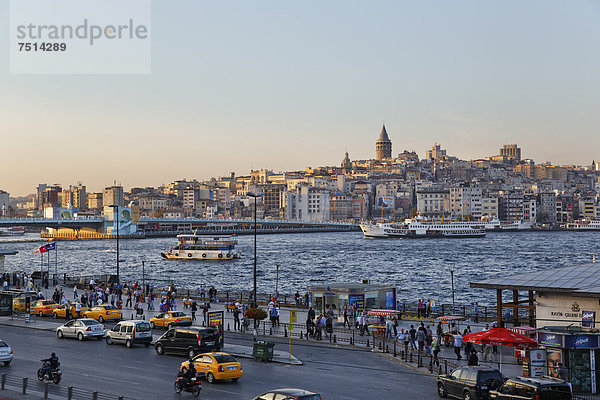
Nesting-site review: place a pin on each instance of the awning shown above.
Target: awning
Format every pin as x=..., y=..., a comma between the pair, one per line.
x=450, y=318
x=384, y=312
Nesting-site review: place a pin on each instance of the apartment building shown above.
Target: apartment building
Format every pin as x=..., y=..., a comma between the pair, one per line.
x=433, y=202
x=466, y=201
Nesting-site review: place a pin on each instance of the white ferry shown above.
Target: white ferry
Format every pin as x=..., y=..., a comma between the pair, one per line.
x=516, y=226
x=417, y=228
x=198, y=247
x=12, y=231
x=584, y=225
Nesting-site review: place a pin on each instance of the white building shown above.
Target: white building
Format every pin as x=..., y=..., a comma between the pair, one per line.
x=489, y=207
x=465, y=201
x=306, y=204
x=433, y=202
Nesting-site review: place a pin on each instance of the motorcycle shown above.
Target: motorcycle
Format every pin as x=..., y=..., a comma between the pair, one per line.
x=194, y=386
x=53, y=375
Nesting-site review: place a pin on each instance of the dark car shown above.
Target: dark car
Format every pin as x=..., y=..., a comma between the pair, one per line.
x=469, y=383
x=188, y=341
x=533, y=389
x=289, y=394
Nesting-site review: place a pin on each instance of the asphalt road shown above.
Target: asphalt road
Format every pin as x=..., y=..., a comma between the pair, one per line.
x=139, y=373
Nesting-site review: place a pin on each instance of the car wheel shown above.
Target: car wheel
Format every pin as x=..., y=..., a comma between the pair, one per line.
x=128, y=344
x=210, y=378
x=101, y=319
x=60, y=334
x=235, y=379
x=54, y=315
x=80, y=336
x=108, y=340
x=152, y=326
x=442, y=391
x=467, y=395
x=191, y=353
x=160, y=350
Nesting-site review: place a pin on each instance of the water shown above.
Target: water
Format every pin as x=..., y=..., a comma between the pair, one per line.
x=419, y=268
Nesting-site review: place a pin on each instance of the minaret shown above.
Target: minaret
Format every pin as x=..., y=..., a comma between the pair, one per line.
x=383, y=145
x=346, y=166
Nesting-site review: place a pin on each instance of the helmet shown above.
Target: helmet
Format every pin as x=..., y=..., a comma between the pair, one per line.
x=53, y=355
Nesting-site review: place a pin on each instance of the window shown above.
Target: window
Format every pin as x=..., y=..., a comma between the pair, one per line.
x=117, y=328
x=508, y=388
x=124, y=328
x=129, y=328
x=469, y=375
x=207, y=360
x=456, y=374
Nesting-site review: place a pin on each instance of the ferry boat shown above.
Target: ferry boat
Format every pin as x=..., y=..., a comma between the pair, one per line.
x=418, y=228
x=516, y=226
x=584, y=225
x=12, y=231
x=199, y=247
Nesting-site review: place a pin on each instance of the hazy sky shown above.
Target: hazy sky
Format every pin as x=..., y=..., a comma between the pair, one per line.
x=284, y=85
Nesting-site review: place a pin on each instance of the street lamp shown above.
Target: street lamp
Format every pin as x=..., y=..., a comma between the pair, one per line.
x=256, y=196
x=116, y=207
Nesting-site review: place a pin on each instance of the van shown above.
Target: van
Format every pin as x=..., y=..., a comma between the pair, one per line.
x=130, y=333
x=188, y=341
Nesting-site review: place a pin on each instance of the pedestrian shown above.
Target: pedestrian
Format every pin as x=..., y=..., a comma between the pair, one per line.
x=346, y=320
x=319, y=328
x=193, y=309
x=361, y=325
x=428, y=340
x=113, y=297
x=205, y=314
x=366, y=322
x=473, y=359
x=389, y=328
x=311, y=313
x=309, y=327
x=458, y=340
x=476, y=312
x=236, y=319
x=323, y=324
x=435, y=348
x=420, y=335
x=563, y=373
x=439, y=331
x=128, y=302
x=413, y=337
x=74, y=292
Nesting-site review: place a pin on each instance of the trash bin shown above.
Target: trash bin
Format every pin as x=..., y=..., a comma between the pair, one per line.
x=263, y=350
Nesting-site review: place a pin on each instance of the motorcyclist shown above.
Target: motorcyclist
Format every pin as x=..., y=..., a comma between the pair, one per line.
x=51, y=363
x=189, y=373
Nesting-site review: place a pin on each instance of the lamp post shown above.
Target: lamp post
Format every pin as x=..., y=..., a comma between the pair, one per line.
x=256, y=196
x=116, y=207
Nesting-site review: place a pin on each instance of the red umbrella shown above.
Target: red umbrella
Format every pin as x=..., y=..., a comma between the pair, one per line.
x=501, y=337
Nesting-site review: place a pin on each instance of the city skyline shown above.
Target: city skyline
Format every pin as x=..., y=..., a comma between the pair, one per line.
x=236, y=87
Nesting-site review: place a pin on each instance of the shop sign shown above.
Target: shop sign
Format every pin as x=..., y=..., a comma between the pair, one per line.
x=358, y=299
x=550, y=339
x=581, y=341
x=538, y=363
x=588, y=318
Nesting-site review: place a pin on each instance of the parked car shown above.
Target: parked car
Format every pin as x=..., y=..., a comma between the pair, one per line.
x=43, y=307
x=6, y=353
x=68, y=311
x=103, y=312
x=188, y=341
x=216, y=366
x=289, y=394
x=469, y=383
x=130, y=333
x=84, y=328
x=170, y=319
x=545, y=388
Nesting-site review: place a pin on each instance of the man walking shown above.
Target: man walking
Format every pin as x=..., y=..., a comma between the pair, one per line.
x=413, y=336
x=458, y=340
x=236, y=319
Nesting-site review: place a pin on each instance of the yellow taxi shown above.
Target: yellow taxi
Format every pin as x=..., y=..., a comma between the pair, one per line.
x=170, y=319
x=216, y=366
x=43, y=307
x=61, y=312
x=103, y=312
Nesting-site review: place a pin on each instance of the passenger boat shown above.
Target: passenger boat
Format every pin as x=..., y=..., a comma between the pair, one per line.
x=516, y=226
x=584, y=225
x=199, y=247
x=419, y=228
x=12, y=231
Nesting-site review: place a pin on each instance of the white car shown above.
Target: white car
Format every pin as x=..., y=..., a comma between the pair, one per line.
x=83, y=328
x=6, y=353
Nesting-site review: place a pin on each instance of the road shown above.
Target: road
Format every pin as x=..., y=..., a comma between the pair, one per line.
x=336, y=373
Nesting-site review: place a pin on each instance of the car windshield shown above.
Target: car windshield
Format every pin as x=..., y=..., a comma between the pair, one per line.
x=557, y=392
x=143, y=327
x=89, y=322
x=3, y=343
x=311, y=397
x=225, y=358
x=490, y=376
x=178, y=314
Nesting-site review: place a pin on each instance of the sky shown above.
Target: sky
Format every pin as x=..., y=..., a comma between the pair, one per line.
x=237, y=85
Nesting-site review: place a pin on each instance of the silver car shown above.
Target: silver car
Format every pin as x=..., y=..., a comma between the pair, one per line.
x=84, y=328
x=6, y=353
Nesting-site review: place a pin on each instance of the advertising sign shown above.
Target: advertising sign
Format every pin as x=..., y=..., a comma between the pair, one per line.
x=5, y=304
x=385, y=202
x=581, y=341
x=215, y=319
x=359, y=299
x=550, y=339
x=538, y=363
x=390, y=299
x=554, y=357
x=588, y=318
